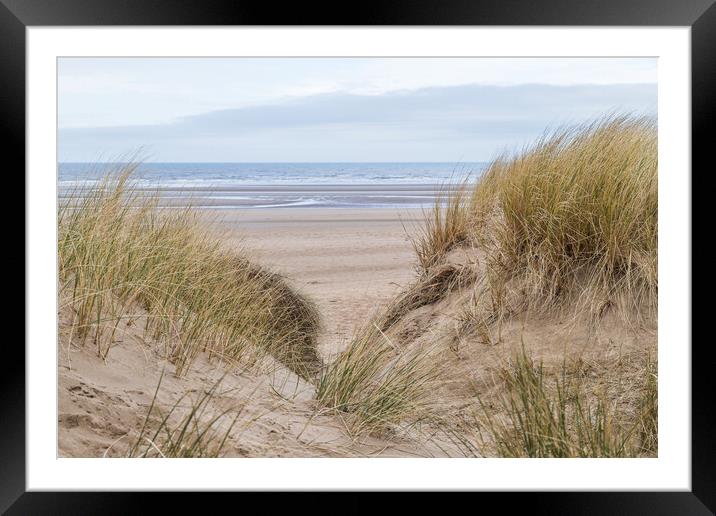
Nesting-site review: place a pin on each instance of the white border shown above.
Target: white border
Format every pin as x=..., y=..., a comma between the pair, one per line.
x=670, y=471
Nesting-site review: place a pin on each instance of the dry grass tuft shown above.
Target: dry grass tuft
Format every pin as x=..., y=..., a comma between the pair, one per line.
x=184, y=432
x=536, y=417
x=445, y=227
x=122, y=259
x=377, y=385
x=570, y=221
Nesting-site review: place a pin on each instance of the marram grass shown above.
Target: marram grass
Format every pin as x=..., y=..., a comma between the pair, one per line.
x=545, y=415
x=123, y=259
x=188, y=432
x=570, y=220
x=377, y=385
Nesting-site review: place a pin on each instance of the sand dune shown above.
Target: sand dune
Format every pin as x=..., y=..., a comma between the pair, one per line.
x=350, y=262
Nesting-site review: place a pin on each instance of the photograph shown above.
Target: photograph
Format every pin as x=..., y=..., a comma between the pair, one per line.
x=396, y=249
x=357, y=257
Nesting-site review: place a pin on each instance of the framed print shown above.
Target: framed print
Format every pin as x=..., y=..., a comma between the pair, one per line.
x=406, y=249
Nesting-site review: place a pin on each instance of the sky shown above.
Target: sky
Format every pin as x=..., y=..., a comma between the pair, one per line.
x=334, y=109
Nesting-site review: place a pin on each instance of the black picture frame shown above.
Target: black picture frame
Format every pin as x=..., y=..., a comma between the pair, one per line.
x=17, y=15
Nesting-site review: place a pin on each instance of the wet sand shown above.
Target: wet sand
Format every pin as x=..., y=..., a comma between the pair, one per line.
x=345, y=196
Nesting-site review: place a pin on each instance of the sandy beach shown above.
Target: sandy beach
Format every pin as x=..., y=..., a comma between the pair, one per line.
x=356, y=258
x=349, y=261
x=343, y=323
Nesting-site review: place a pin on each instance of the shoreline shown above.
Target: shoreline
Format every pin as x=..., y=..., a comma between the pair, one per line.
x=269, y=196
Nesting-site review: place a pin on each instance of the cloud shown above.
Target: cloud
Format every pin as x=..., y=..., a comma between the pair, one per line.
x=492, y=116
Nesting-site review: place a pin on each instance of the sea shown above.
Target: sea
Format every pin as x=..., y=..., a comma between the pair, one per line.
x=282, y=185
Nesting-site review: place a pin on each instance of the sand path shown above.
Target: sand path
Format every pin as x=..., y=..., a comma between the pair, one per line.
x=349, y=261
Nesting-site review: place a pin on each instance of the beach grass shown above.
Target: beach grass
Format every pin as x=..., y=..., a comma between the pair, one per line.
x=557, y=415
x=446, y=226
x=184, y=431
x=569, y=223
x=123, y=259
x=379, y=386
x=571, y=220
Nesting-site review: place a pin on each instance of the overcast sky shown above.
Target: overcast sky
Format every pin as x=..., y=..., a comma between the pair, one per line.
x=321, y=109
